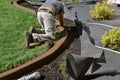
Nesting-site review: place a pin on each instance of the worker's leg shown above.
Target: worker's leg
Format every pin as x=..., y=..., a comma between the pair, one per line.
x=49, y=25
x=40, y=30
x=34, y=30
x=40, y=19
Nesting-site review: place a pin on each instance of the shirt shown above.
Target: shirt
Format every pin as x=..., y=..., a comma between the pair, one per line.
x=56, y=5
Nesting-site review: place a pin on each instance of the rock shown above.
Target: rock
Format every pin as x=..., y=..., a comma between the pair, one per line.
x=33, y=76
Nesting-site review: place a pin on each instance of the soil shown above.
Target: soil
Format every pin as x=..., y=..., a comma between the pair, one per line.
x=52, y=71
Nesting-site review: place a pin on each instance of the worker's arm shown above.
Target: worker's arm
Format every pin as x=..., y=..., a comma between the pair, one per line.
x=61, y=19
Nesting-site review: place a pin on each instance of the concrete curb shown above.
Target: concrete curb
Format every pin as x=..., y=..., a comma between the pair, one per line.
x=39, y=61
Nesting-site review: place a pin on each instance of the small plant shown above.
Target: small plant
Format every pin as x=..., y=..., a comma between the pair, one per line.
x=62, y=67
x=101, y=11
x=111, y=39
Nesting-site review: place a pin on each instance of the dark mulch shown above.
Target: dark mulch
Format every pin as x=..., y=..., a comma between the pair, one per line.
x=52, y=70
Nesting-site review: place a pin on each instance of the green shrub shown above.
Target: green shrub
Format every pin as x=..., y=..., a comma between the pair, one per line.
x=111, y=39
x=101, y=11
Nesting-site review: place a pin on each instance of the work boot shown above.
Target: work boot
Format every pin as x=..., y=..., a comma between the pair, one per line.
x=28, y=39
x=32, y=29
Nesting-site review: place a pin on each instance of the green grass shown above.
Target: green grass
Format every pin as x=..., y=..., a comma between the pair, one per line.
x=13, y=23
x=62, y=67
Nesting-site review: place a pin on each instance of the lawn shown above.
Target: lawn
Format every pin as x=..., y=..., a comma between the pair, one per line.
x=13, y=23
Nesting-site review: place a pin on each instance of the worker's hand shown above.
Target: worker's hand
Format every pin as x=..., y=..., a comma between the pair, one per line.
x=57, y=22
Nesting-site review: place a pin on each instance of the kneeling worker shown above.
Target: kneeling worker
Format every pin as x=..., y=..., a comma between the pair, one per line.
x=46, y=15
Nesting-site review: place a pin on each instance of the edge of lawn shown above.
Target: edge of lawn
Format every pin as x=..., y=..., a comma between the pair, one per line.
x=39, y=61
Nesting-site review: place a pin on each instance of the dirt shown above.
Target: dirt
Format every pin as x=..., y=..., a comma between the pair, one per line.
x=52, y=71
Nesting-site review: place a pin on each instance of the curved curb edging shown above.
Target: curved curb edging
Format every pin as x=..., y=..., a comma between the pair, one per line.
x=22, y=7
x=45, y=58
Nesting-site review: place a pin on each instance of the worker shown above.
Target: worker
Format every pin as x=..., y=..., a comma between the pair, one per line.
x=46, y=16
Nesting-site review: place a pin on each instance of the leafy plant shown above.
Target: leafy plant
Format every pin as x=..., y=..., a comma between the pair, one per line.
x=111, y=39
x=101, y=11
